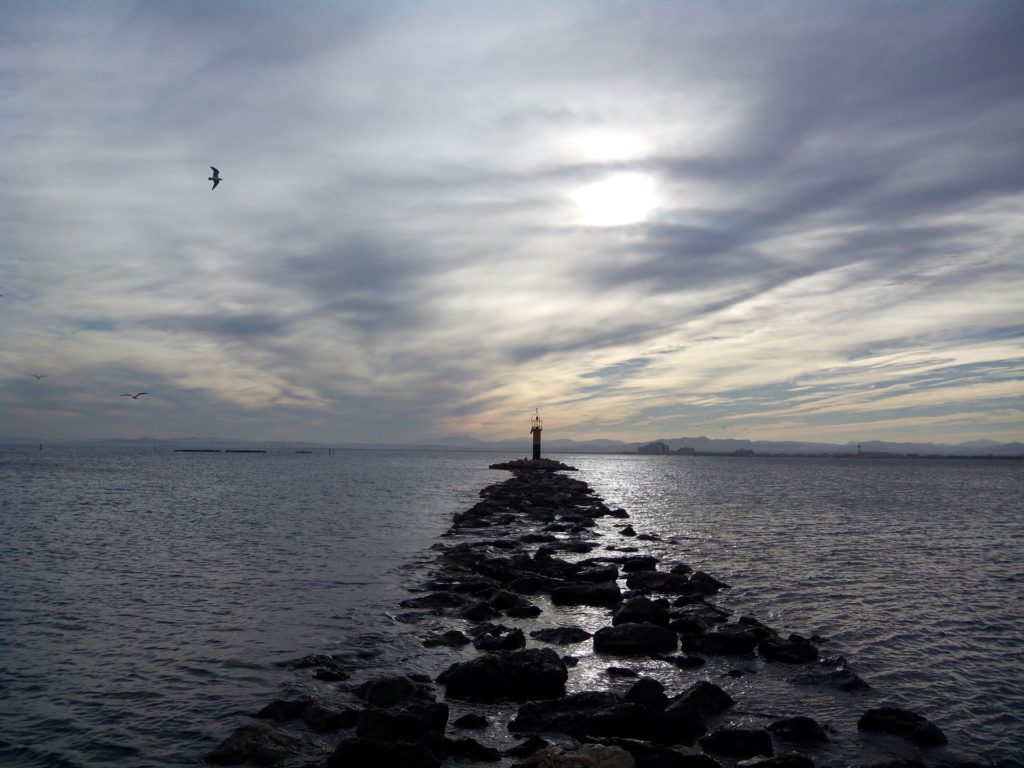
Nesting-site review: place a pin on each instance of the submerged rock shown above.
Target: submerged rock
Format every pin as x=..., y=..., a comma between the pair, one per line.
x=799, y=730
x=584, y=756
x=902, y=722
x=262, y=745
x=561, y=635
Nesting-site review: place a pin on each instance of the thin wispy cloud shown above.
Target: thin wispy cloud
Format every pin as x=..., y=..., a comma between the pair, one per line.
x=780, y=220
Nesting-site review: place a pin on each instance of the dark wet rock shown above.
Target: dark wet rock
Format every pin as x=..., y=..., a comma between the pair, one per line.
x=527, y=747
x=648, y=537
x=627, y=531
x=798, y=730
x=596, y=713
x=538, y=538
x=598, y=573
x=907, y=762
x=681, y=568
x=470, y=749
x=453, y=638
x=902, y=722
x=360, y=752
x=604, y=594
x=324, y=667
x=763, y=631
x=263, y=745
x=621, y=672
x=532, y=583
x=435, y=601
x=392, y=690
x=320, y=717
x=649, y=692
x=657, y=581
x=798, y=651
x=727, y=640
x=639, y=563
x=570, y=661
x=703, y=578
x=561, y=635
x=503, y=600
x=640, y=609
x=841, y=679
x=507, y=641
x=480, y=611
x=471, y=720
x=648, y=755
x=789, y=760
x=417, y=721
x=738, y=743
x=704, y=698
x=533, y=465
x=533, y=673
x=635, y=639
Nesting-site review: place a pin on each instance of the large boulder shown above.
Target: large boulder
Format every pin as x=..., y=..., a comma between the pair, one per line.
x=658, y=581
x=417, y=721
x=705, y=698
x=795, y=650
x=561, y=635
x=901, y=722
x=533, y=673
x=261, y=744
x=728, y=640
x=640, y=609
x=602, y=594
x=635, y=639
x=588, y=713
x=391, y=690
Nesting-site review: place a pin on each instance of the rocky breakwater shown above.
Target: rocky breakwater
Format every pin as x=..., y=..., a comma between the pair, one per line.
x=570, y=647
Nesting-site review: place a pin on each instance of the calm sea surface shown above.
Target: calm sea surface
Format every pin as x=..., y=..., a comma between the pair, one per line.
x=146, y=596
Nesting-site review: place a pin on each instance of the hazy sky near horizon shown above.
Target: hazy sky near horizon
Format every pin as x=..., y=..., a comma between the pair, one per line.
x=772, y=220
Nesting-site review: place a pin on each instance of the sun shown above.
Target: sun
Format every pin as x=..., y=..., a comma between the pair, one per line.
x=620, y=199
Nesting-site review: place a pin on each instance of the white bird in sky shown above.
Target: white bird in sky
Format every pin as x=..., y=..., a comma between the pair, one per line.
x=215, y=178
x=135, y=397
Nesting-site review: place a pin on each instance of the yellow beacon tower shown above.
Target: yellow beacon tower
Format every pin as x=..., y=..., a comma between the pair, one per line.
x=536, y=425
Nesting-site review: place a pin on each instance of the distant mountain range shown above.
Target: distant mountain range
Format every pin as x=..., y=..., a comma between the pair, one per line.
x=700, y=444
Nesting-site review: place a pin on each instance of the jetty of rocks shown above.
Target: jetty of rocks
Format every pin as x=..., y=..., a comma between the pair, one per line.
x=570, y=647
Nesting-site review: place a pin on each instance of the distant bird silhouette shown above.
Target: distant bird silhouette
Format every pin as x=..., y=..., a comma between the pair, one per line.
x=135, y=397
x=215, y=178
x=38, y=375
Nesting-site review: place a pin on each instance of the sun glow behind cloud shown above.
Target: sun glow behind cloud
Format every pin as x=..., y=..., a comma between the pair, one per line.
x=618, y=200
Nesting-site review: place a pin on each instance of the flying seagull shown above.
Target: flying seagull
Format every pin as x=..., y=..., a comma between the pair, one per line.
x=39, y=375
x=135, y=397
x=215, y=178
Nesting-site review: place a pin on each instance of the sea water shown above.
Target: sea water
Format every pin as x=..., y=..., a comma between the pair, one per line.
x=147, y=596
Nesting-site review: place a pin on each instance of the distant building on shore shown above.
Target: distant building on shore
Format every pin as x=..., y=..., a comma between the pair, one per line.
x=656, y=448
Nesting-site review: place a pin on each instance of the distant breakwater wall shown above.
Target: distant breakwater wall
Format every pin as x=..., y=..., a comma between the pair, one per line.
x=570, y=647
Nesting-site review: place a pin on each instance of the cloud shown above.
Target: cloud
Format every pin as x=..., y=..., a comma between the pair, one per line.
x=395, y=251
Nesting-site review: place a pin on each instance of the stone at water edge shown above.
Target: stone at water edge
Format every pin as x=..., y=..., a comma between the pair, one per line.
x=632, y=639
x=738, y=743
x=262, y=745
x=533, y=673
x=901, y=722
x=585, y=756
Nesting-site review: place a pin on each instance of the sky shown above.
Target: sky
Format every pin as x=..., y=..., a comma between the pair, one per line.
x=769, y=220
